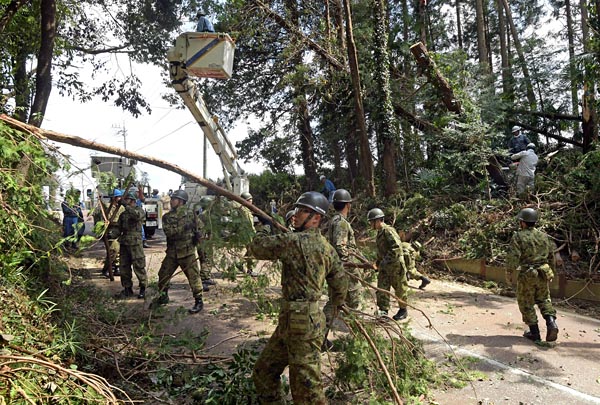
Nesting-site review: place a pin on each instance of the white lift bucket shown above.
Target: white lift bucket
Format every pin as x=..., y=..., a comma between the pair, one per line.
x=204, y=54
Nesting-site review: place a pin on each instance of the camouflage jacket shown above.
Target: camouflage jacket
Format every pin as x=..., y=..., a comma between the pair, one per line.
x=130, y=225
x=308, y=260
x=341, y=237
x=183, y=229
x=410, y=256
x=389, y=246
x=530, y=247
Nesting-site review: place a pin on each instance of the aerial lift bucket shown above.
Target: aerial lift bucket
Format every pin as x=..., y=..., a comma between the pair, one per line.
x=204, y=54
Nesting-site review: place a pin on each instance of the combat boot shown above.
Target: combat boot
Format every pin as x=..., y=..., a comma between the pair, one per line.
x=400, y=315
x=142, y=293
x=126, y=293
x=424, y=282
x=533, y=333
x=551, y=328
x=197, y=306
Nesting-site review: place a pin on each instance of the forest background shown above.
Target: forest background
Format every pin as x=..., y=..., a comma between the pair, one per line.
x=338, y=88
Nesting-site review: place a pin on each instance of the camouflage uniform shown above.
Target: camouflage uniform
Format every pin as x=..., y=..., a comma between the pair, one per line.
x=532, y=250
x=341, y=236
x=181, y=227
x=410, y=259
x=392, y=269
x=132, y=252
x=308, y=260
x=247, y=231
x=112, y=234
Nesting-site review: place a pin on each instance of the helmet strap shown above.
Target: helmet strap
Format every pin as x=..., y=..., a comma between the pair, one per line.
x=308, y=218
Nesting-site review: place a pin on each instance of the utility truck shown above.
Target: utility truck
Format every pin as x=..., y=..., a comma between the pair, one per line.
x=207, y=55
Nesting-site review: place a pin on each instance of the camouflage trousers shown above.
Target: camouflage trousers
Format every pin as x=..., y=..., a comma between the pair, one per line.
x=133, y=256
x=204, y=264
x=189, y=265
x=532, y=289
x=352, y=296
x=392, y=275
x=414, y=274
x=114, y=249
x=296, y=342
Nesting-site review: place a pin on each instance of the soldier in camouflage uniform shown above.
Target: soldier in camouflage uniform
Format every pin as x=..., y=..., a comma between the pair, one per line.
x=131, y=249
x=182, y=229
x=289, y=218
x=113, y=213
x=390, y=262
x=201, y=249
x=410, y=259
x=308, y=260
x=341, y=236
x=533, y=251
x=246, y=232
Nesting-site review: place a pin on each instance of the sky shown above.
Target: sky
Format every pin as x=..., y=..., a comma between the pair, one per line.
x=168, y=133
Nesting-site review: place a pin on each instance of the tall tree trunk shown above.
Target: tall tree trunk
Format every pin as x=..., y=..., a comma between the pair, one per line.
x=459, y=32
x=384, y=113
x=366, y=160
x=22, y=91
x=482, y=50
x=302, y=111
x=43, y=77
x=422, y=20
x=588, y=108
x=572, y=69
x=528, y=86
x=504, y=61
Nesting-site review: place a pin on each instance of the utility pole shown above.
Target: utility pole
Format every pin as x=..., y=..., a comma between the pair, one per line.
x=121, y=131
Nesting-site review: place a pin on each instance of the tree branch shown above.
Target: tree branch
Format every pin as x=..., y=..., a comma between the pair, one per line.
x=546, y=133
x=43, y=135
x=550, y=115
x=303, y=38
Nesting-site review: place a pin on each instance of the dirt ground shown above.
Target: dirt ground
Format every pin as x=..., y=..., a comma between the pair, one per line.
x=466, y=321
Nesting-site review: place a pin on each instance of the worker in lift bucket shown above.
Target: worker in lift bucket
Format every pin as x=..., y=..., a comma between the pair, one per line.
x=204, y=24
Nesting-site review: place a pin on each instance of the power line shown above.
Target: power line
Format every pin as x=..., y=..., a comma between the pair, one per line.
x=164, y=136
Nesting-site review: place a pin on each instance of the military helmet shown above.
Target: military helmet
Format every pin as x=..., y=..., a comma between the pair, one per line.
x=314, y=201
x=528, y=215
x=117, y=193
x=289, y=215
x=246, y=195
x=206, y=201
x=531, y=145
x=180, y=194
x=341, y=195
x=131, y=195
x=374, y=214
x=515, y=129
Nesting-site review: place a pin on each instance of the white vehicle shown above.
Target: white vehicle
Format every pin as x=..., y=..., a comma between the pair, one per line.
x=208, y=55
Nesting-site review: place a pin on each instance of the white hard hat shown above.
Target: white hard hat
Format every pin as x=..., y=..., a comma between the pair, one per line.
x=530, y=145
x=322, y=177
x=516, y=129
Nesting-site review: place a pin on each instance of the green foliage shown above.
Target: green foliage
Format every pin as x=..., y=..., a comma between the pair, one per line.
x=230, y=384
x=358, y=368
x=453, y=217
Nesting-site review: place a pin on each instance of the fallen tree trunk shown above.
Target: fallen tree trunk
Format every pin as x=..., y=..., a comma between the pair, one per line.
x=546, y=133
x=429, y=68
x=43, y=135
